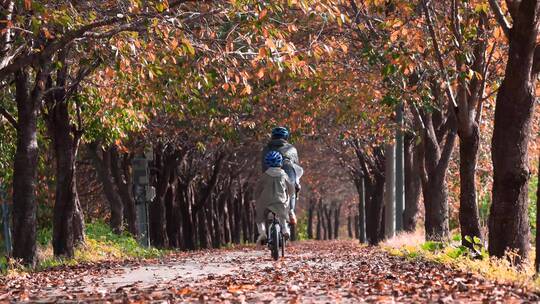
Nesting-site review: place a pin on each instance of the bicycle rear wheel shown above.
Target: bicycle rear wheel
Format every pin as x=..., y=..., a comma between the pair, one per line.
x=274, y=248
x=283, y=241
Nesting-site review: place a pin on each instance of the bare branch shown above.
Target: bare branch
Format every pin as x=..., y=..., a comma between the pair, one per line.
x=499, y=16
x=446, y=153
x=9, y=117
x=480, y=105
x=455, y=23
x=438, y=53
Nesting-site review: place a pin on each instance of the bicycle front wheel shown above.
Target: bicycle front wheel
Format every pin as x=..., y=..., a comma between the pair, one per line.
x=275, y=243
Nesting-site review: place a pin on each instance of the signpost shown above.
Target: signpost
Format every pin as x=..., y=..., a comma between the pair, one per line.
x=143, y=194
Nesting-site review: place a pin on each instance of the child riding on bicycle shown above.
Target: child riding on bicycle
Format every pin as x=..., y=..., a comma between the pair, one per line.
x=273, y=193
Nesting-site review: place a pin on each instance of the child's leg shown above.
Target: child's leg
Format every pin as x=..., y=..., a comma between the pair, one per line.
x=285, y=226
x=261, y=228
x=292, y=205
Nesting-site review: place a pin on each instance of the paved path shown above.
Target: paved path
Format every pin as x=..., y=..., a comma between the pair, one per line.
x=312, y=272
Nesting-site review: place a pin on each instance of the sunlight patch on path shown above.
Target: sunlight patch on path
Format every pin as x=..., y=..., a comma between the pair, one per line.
x=188, y=270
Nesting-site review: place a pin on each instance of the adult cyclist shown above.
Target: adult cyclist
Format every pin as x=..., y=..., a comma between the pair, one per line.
x=279, y=142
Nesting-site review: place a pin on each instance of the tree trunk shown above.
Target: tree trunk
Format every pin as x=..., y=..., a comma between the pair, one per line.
x=412, y=184
x=320, y=221
x=186, y=202
x=65, y=146
x=508, y=219
x=173, y=222
x=360, y=187
x=123, y=185
x=25, y=168
x=374, y=212
x=310, y=220
x=103, y=165
x=438, y=138
x=78, y=223
x=157, y=211
x=217, y=238
x=203, y=229
x=537, y=259
x=436, y=205
x=350, y=226
x=324, y=223
x=390, y=191
x=227, y=214
x=237, y=211
x=469, y=218
x=356, y=227
x=337, y=215
x=329, y=223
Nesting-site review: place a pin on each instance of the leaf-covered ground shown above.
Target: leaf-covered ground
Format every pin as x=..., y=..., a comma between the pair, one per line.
x=312, y=272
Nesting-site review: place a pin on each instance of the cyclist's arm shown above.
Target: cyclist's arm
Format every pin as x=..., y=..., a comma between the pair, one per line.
x=294, y=155
x=291, y=188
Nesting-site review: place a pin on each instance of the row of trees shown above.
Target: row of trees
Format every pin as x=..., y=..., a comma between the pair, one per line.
x=179, y=75
x=202, y=81
x=449, y=63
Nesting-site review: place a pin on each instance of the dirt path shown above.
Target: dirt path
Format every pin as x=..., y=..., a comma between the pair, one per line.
x=313, y=272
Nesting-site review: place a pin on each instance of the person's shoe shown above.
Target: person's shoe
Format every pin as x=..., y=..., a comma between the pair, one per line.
x=261, y=240
x=292, y=218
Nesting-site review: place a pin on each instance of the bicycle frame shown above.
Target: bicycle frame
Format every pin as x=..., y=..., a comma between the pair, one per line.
x=275, y=237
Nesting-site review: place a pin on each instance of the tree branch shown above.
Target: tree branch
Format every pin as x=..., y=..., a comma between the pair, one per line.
x=54, y=46
x=9, y=118
x=499, y=16
x=438, y=54
x=447, y=151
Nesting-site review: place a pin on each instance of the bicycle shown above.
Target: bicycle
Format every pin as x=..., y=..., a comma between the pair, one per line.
x=276, y=240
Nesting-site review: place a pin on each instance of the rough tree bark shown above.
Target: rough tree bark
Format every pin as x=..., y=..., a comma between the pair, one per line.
x=537, y=258
x=310, y=216
x=337, y=217
x=165, y=162
x=102, y=164
x=350, y=220
x=66, y=212
x=438, y=138
x=373, y=168
x=328, y=213
x=361, y=189
x=185, y=202
x=412, y=184
x=68, y=221
x=172, y=213
x=25, y=165
x=122, y=182
x=466, y=107
x=319, y=233
x=508, y=220
x=469, y=100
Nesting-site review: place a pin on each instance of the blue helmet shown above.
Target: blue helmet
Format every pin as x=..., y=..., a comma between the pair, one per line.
x=273, y=159
x=280, y=132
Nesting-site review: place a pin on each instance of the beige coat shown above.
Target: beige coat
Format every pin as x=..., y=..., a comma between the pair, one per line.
x=272, y=192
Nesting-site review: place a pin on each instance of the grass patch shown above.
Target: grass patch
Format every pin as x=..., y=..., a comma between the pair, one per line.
x=101, y=245
x=459, y=257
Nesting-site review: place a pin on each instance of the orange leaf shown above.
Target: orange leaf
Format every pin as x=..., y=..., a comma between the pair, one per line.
x=263, y=13
x=260, y=73
x=262, y=52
